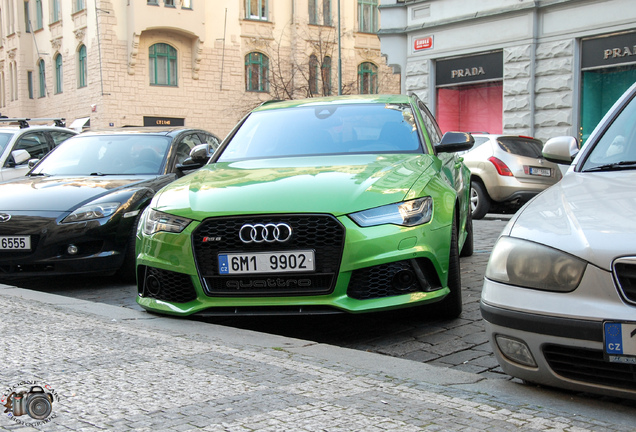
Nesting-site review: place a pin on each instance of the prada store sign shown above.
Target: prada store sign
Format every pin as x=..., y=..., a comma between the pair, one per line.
x=482, y=67
x=608, y=50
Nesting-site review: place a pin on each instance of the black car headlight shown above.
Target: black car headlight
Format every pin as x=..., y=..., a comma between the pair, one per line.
x=154, y=221
x=92, y=211
x=408, y=213
x=532, y=265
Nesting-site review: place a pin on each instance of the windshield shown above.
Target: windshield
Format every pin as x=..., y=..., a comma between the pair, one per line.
x=617, y=147
x=325, y=129
x=106, y=154
x=4, y=139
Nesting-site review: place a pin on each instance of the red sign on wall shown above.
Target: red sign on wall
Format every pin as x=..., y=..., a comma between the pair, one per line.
x=423, y=43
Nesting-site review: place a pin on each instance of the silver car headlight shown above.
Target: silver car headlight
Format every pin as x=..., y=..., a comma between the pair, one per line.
x=92, y=211
x=532, y=265
x=408, y=213
x=154, y=221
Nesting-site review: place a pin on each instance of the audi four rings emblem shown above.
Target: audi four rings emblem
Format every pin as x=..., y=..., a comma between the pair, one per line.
x=268, y=233
x=4, y=217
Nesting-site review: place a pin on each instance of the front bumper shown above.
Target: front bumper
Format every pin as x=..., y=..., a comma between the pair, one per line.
x=374, y=256
x=563, y=332
x=99, y=246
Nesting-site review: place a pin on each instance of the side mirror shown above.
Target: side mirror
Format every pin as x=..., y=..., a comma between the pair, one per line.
x=561, y=150
x=199, y=156
x=19, y=157
x=453, y=142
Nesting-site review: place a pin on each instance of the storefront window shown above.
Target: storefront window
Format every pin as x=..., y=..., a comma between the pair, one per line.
x=600, y=89
x=471, y=108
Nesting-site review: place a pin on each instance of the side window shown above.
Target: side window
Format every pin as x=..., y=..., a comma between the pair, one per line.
x=35, y=143
x=432, y=129
x=211, y=139
x=184, y=147
x=59, y=136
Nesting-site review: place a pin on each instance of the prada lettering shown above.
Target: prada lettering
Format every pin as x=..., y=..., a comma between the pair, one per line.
x=462, y=73
x=619, y=52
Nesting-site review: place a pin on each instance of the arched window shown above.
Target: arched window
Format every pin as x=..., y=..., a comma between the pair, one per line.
x=163, y=65
x=256, y=72
x=81, y=67
x=58, y=73
x=15, y=81
x=368, y=78
x=11, y=72
x=313, y=75
x=326, y=76
x=42, y=78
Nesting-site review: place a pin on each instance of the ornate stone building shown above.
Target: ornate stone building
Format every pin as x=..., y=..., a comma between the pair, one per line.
x=541, y=67
x=202, y=63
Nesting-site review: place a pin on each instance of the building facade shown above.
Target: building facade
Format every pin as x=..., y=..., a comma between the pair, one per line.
x=199, y=63
x=542, y=68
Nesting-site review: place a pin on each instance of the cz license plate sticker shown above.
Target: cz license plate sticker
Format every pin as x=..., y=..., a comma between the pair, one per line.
x=15, y=242
x=267, y=262
x=544, y=172
x=619, y=342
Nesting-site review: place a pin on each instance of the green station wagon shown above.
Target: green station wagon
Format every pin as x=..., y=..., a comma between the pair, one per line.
x=342, y=204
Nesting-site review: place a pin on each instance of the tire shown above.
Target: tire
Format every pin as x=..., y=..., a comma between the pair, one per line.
x=479, y=200
x=468, y=248
x=452, y=305
x=128, y=271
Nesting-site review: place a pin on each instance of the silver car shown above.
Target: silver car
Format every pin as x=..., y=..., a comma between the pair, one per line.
x=559, y=296
x=24, y=142
x=506, y=171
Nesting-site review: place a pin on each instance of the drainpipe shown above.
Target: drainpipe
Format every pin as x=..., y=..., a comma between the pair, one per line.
x=533, y=66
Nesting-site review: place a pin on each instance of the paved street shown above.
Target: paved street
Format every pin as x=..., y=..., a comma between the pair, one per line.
x=120, y=369
x=459, y=344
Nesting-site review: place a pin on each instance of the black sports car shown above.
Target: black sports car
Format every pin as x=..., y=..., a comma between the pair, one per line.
x=76, y=211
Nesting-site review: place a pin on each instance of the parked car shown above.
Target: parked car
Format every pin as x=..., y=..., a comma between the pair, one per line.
x=506, y=171
x=77, y=210
x=341, y=204
x=559, y=296
x=26, y=141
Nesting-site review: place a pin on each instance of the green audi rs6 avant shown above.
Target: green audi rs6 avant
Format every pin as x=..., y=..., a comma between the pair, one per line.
x=342, y=204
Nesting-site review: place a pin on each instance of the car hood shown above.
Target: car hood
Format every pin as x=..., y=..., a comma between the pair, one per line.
x=589, y=215
x=60, y=193
x=329, y=184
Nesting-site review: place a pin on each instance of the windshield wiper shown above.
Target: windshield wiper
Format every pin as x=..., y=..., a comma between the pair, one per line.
x=613, y=166
x=40, y=174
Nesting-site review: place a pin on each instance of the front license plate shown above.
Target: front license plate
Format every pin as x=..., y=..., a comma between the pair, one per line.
x=544, y=172
x=619, y=340
x=15, y=243
x=267, y=262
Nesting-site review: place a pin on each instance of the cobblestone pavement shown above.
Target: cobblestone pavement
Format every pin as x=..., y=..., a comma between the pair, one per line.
x=459, y=344
x=120, y=369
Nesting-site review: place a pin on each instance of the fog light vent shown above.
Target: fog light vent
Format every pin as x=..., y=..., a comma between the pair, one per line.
x=515, y=350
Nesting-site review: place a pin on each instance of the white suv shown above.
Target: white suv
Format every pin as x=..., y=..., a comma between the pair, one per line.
x=20, y=144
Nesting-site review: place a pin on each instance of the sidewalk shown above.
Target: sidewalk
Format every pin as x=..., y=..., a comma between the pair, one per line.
x=119, y=369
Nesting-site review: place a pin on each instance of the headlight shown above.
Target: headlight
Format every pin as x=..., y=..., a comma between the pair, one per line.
x=155, y=221
x=407, y=213
x=532, y=265
x=92, y=211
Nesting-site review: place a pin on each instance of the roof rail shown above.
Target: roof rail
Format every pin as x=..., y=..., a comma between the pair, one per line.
x=24, y=122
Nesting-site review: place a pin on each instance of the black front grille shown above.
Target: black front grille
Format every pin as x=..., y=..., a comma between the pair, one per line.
x=385, y=280
x=321, y=233
x=589, y=366
x=626, y=275
x=165, y=285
